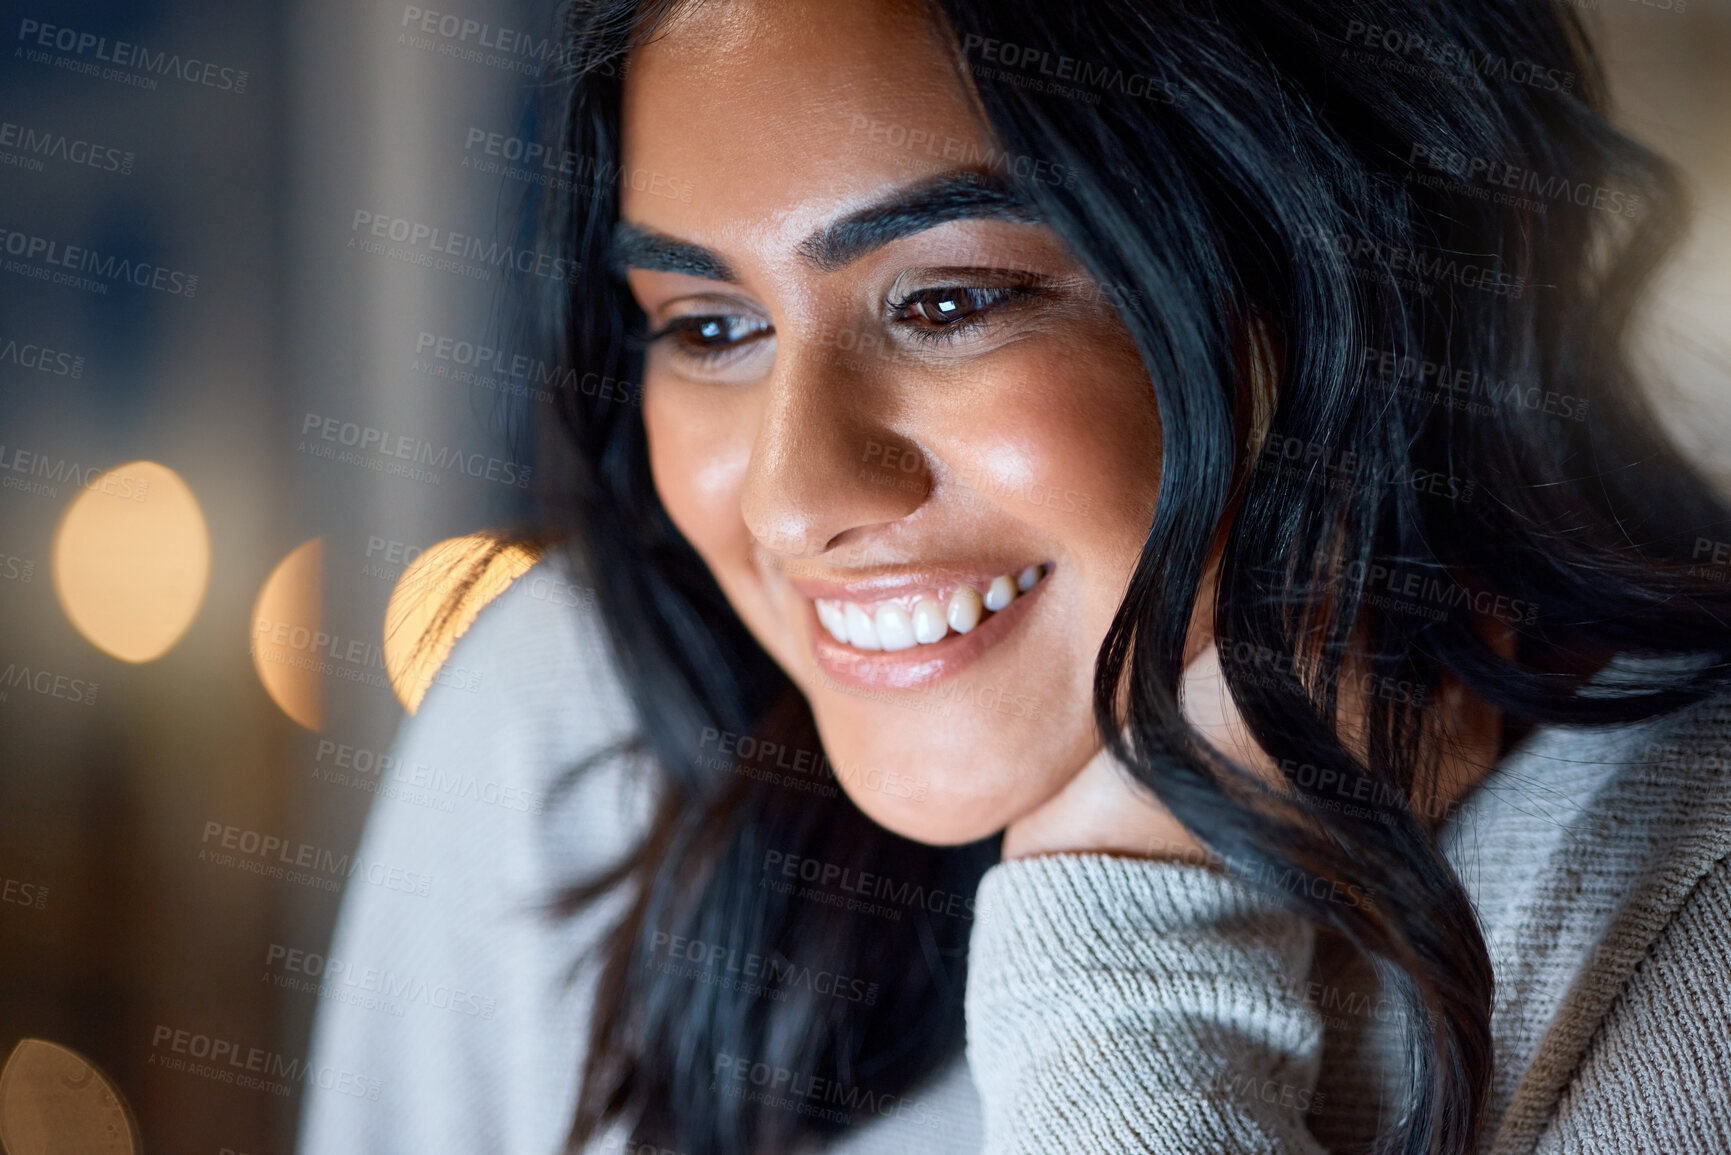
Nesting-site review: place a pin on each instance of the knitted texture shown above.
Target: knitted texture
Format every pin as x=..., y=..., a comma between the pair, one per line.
x=1157, y=987
x=1114, y=1005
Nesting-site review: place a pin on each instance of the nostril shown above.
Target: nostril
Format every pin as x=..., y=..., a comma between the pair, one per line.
x=892, y=459
x=818, y=458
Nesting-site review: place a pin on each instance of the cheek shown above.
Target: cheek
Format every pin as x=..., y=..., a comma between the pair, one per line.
x=699, y=449
x=1102, y=458
x=1061, y=443
x=1067, y=440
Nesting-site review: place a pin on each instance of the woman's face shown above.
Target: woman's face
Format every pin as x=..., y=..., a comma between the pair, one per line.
x=898, y=421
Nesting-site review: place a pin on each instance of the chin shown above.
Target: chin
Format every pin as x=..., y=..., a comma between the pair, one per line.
x=959, y=781
x=936, y=821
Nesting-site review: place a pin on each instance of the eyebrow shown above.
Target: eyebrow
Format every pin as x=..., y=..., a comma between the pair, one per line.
x=950, y=197
x=636, y=246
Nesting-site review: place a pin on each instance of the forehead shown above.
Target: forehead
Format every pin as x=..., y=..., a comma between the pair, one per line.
x=773, y=116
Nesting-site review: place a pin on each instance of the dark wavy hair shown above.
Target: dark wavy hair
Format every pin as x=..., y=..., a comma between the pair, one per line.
x=1433, y=240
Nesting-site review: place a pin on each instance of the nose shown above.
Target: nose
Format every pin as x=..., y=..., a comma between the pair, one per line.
x=826, y=469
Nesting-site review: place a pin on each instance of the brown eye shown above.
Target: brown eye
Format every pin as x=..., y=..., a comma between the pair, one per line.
x=714, y=332
x=709, y=336
x=939, y=314
x=945, y=306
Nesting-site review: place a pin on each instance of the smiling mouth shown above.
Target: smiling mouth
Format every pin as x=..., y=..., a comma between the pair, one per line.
x=900, y=634
x=922, y=619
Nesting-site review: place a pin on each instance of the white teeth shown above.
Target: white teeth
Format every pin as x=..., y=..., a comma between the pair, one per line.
x=929, y=624
x=833, y=618
x=860, y=631
x=964, y=609
x=895, y=630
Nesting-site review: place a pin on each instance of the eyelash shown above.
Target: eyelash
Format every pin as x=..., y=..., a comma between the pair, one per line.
x=995, y=297
x=694, y=323
x=983, y=300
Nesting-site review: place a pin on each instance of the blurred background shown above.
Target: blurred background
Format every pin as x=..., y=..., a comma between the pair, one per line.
x=252, y=367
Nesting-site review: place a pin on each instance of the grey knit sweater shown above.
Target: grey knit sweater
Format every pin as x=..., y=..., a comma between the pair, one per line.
x=1113, y=1005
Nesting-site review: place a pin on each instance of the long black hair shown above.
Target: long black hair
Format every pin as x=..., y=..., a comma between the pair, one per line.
x=1380, y=261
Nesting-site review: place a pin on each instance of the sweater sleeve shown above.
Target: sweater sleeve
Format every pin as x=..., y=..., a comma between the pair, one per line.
x=1655, y=1077
x=1115, y=1004
x=456, y=1005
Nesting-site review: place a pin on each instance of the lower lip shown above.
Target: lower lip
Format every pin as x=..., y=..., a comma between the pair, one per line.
x=919, y=665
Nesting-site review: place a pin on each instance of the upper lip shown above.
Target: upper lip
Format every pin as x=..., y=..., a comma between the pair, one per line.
x=882, y=587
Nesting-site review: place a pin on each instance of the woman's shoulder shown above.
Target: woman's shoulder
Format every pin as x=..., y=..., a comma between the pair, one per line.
x=533, y=693
x=480, y=1049
x=1660, y=1042
x=537, y=650
x=1627, y=782
x=1579, y=851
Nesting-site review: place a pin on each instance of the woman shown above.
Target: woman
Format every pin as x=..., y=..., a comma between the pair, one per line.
x=1176, y=467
